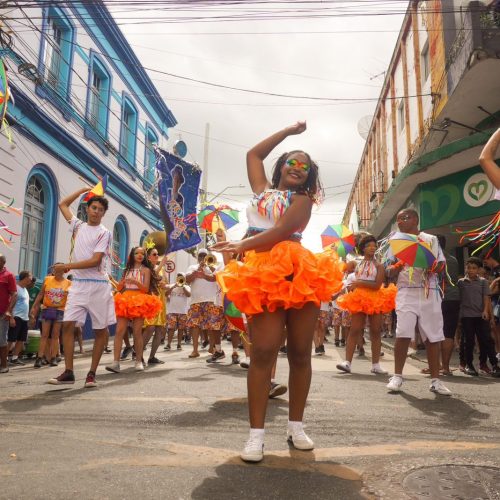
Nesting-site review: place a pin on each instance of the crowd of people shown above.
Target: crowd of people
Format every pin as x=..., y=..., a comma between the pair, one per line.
x=289, y=297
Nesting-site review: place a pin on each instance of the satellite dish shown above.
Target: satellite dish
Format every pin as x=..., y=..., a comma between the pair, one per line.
x=180, y=149
x=364, y=125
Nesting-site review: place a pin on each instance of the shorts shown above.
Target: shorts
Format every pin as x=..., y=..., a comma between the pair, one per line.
x=413, y=309
x=323, y=319
x=346, y=319
x=18, y=333
x=93, y=298
x=451, y=312
x=228, y=328
x=52, y=314
x=176, y=321
x=4, y=328
x=337, y=318
x=206, y=316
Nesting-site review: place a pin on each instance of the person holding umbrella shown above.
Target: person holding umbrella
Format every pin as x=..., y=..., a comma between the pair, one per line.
x=418, y=302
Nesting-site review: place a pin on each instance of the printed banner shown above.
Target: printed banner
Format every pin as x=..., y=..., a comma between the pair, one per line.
x=178, y=190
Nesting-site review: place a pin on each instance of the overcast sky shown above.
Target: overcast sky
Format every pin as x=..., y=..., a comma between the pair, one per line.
x=328, y=65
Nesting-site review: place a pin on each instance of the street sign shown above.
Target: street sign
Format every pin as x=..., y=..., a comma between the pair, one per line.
x=170, y=266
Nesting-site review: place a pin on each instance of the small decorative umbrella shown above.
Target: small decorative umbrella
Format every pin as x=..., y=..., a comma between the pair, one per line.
x=214, y=217
x=233, y=314
x=411, y=250
x=340, y=237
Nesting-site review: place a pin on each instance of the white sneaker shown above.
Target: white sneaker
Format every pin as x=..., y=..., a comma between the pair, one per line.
x=379, y=370
x=344, y=367
x=440, y=388
x=253, y=450
x=245, y=363
x=139, y=367
x=113, y=367
x=395, y=384
x=299, y=439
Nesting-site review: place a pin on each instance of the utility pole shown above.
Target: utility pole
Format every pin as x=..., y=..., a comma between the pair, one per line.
x=204, y=183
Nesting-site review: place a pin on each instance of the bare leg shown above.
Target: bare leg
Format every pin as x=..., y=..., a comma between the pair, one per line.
x=267, y=331
x=45, y=337
x=121, y=328
x=54, y=344
x=354, y=337
x=433, y=352
x=300, y=331
x=69, y=343
x=156, y=341
x=446, y=351
x=101, y=337
x=138, y=341
x=401, y=346
x=375, y=336
x=195, y=334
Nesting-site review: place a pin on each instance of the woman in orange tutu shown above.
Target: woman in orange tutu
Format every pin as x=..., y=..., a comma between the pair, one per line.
x=367, y=299
x=280, y=283
x=134, y=303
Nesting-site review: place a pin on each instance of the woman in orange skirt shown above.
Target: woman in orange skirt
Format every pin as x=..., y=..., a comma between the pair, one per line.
x=134, y=303
x=279, y=283
x=367, y=299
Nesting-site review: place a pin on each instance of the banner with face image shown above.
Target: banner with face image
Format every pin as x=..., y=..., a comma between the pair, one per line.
x=178, y=189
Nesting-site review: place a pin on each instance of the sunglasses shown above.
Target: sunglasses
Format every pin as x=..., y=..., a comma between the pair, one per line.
x=404, y=218
x=298, y=164
x=153, y=254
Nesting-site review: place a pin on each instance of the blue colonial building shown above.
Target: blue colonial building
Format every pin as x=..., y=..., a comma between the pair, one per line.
x=84, y=107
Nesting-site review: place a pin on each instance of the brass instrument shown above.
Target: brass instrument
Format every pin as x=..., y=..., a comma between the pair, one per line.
x=210, y=260
x=180, y=281
x=158, y=239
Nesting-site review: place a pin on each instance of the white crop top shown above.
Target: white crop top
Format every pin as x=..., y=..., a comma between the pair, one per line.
x=267, y=208
x=134, y=274
x=366, y=270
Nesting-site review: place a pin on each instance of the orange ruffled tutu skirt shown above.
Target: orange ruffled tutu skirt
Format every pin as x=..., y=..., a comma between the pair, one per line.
x=134, y=304
x=288, y=276
x=368, y=301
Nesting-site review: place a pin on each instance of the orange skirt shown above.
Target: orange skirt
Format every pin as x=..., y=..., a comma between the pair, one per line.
x=288, y=276
x=134, y=304
x=368, y=301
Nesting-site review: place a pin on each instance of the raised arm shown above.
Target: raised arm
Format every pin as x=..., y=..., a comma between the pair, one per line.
x=65, y=203
x=257, y=155
x=487, y=159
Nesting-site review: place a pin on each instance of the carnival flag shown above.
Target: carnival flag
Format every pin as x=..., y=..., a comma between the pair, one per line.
x=178, y=190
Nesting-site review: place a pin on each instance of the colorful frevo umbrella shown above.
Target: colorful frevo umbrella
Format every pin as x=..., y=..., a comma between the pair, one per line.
x=214, y=217
x=339, y=237
x=233, y=314
x=411, y=250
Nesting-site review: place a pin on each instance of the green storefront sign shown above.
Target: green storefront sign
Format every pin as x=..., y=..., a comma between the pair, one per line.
x=455, y=198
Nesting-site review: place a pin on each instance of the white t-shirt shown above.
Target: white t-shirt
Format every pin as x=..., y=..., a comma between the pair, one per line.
x=88, y=241
x=325, y=306
x=414, y=278
x=202, y=290
x=178, y=301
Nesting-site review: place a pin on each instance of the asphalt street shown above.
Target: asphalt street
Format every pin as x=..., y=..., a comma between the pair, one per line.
x=175, y=432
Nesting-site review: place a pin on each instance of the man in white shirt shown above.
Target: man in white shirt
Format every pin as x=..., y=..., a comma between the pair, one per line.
x=203, y=313
x=418, y=303
x=90, y=292
x=178, y=296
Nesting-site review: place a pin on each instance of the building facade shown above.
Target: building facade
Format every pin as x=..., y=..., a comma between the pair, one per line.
x=439, y=104
x=84, y=107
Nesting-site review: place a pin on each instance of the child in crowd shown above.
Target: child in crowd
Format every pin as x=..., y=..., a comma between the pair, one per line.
x=134, y=303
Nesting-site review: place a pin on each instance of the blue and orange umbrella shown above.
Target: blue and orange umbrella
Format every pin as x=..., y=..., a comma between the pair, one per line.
x=339, y=237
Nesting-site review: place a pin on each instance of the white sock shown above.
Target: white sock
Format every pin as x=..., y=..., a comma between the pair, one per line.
x=375, y=365
x=294, y=426
x=348, y=363
x=273, y=381
x=218, y=347
x=398, y=375
x=257, y=433
x=14, y=358
x=434, y=380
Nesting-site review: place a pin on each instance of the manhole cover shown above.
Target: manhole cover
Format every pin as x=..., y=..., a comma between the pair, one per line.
x=460, y=482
